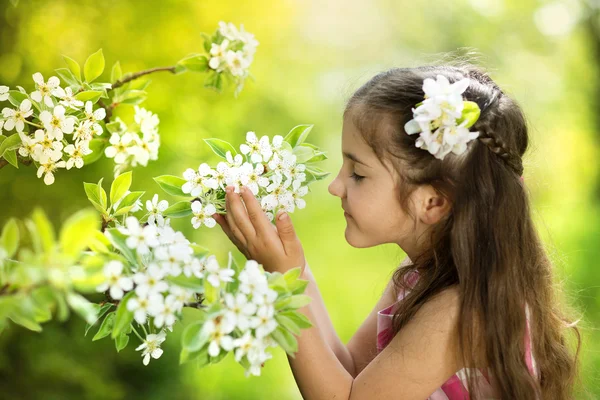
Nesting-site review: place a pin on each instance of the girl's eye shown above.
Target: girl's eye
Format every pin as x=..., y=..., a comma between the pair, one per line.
x=356, y=177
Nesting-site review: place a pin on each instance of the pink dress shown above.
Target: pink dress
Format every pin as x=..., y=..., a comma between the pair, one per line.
x=454, y=388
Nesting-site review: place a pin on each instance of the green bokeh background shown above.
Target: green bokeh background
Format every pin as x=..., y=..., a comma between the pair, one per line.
x=312, y=55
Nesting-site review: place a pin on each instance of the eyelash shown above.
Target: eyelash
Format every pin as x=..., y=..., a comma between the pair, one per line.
x=356, y=177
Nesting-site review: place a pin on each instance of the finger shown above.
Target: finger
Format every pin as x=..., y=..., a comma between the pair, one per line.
x=257, y=216
x=236, y=232
x=222, y=221
x=287, y=234
x=237, y=212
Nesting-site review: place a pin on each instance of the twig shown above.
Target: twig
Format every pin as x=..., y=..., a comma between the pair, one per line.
x=24, y=161
x=131, y=77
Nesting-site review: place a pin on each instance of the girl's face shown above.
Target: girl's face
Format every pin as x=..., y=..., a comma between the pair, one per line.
x=369, y=196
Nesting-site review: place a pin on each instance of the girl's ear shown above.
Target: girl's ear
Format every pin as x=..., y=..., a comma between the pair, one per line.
x=433, y=206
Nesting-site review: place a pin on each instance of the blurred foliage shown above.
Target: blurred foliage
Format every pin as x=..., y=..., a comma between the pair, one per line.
x=312, y=55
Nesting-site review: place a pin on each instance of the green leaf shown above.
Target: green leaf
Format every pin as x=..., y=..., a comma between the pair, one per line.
x=298, y=135
x=220, y=147
x=12, y=142
x=128, y=202
x=171, y=184
x=116, y=72
x=199, y=251
x=121, y=341
x=201, y=356
x=124, y=316
x=91, y=190
x=94, y=66
x=214, y=81
x=102, y=194
x=470, y=113
x=303, y=154
x=11, y=157
x=73, y=67
x=100, y=313
x=315, y=174
x=114, y=127
x=195, y=62
x=44, y=229
x=83, y=307
x=62, y=309
x=43, y=300
x=9, y=240
x=97, y=147
x=191, y=282
x=118, y=241
x=15, y=98
x=194, y=337
x=67, y=76
x=77, y=231
x=106, y=327
x=292, y=275
x=286, y=340
x=89, y=95
x=299, y=301
x=179, y=210
x=299, y=319
x=287, y=323
x=207, y=42
x=119, y=186
x=298, y=287
x=211, y=293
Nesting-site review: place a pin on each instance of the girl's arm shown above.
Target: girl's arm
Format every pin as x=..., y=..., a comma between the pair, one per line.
x=323, y=321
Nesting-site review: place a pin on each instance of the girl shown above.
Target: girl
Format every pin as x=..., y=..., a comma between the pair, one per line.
x=471, y=312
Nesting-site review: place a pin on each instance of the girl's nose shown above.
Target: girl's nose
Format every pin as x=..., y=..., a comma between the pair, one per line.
x=335, y=187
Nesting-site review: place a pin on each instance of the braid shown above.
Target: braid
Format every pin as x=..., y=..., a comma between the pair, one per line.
x=497, y=146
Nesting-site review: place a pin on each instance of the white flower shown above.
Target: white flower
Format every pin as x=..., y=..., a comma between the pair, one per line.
x=243, y=345
x=76, y=153
x=94, y=116
x=56, y=123
x=156, y=208
x=215, y=274
x=254, y=178
x=259, y=150
x=28, y=146
x=278, y=193
x=218, y=52
x=218, y=329
x=117, y=283
x=4, y=93
x=140, y=238
x=194, y=267
x=196, y=181
x=119, y=148
x=67, y=98
x=228, y=30
x=252, y=279
x=239, y=309
x=203, y=215
x=298, y=191
x=47, y=168
x=151, y=346
x=16, y=118
x=264, y=322
x=257, y=355
x=46, y=146
x=147, y=120
x=141, y=303
x=83, y=131
x=172, y=257
x=150, y=282
x=182, y=295
x=164, y=312
x=44, y=89
x=237, y=63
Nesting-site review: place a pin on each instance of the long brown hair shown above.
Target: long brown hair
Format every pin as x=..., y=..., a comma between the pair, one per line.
x=488, y=244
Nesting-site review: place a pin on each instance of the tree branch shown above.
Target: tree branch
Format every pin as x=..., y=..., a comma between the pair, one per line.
x=131, y=77
x=24, y=161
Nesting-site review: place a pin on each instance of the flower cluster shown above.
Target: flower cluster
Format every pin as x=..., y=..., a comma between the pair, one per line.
x=443, y=119
x=232, y=51
x=56, y=115
x=270, y=172
x=134, y=144
x=161, y=272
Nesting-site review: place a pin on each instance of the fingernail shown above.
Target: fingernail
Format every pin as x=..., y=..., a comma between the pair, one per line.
x=243, y=189
x=283, y=216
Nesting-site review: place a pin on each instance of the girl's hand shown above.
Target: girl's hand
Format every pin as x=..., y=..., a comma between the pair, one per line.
x=278, y=248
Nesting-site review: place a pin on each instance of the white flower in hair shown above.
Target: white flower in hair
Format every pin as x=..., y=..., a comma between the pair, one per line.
x=443, y=119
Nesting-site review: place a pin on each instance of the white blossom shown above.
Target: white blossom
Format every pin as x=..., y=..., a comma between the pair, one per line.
x=47, y=168
x=141, y=238
x=218, y=330
x=119, y=148
x=150, y=281
x=141, y=303
x=67, y=98
x=156, y=209
x=44, y=89
x=116, y=281
x=4, y=93
x=203, y=215
x=76, y=153
x=16, y=118
x=151, y=346
x=56, y=123
x=215, y=274
x=239, y=309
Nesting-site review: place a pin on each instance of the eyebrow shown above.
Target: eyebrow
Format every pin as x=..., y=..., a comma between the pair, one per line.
x=354, y=158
